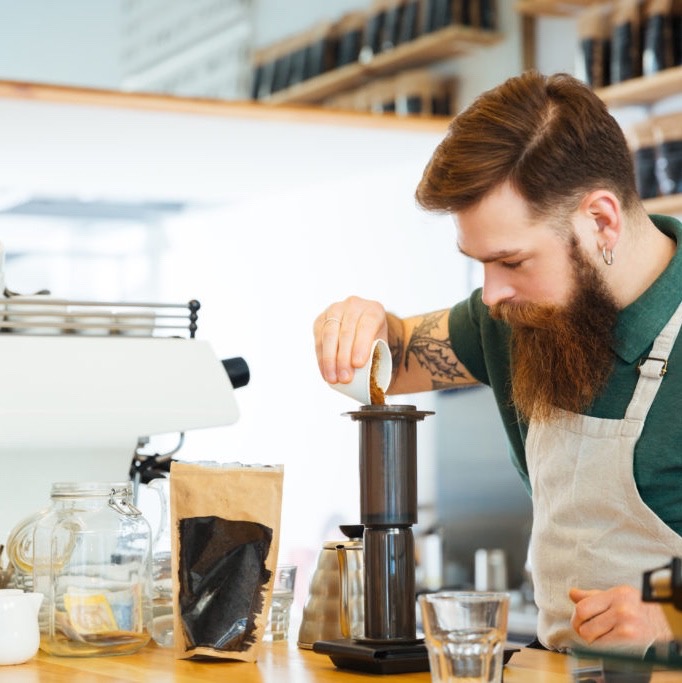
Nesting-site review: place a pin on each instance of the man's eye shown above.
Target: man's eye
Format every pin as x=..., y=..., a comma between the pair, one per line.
x=511, y=265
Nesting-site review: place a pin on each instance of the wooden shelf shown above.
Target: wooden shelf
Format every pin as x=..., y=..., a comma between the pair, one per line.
x=451, y=41
x=671, y=205
x=314, y=90
x=558, y=8
x=247, y=110
x=643, y=90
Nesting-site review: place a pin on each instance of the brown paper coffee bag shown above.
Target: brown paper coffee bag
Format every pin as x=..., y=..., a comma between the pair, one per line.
x=225, y=540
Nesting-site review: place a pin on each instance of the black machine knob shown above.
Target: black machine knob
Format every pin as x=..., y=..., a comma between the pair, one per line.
x=238, y=371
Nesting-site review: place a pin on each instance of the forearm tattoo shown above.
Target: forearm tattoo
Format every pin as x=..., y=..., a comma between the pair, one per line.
x=435, y=355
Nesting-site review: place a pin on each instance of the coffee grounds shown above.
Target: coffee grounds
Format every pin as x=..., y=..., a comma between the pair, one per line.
x=222, y=580
x=376, y=393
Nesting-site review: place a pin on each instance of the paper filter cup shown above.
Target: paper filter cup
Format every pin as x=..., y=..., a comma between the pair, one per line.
x=377, y=370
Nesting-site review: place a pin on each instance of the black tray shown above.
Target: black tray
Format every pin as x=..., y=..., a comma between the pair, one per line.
x=382, y=658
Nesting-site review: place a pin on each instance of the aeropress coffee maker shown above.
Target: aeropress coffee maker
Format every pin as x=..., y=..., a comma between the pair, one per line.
x=388, y=509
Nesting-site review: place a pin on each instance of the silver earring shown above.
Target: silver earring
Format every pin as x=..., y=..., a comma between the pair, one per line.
x=607, y=255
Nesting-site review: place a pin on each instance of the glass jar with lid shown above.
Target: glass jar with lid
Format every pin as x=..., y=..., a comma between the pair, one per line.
x=92, y=562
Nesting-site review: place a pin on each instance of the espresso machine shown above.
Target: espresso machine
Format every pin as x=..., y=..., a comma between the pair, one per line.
x=84, y=383
x=388, y=510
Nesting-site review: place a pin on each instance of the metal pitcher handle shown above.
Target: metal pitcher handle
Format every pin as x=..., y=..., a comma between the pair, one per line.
x=351, y=581
x=344, y=592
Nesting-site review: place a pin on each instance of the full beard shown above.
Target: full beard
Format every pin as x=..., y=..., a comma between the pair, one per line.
x=561, y=356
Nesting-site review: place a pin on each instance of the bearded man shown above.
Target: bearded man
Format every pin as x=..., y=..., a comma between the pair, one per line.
x=574, y=330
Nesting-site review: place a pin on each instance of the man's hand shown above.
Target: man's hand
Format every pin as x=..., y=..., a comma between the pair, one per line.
x=344, y=333
x=617, y=616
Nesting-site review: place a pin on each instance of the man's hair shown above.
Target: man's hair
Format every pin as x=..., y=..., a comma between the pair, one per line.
x=550, y=137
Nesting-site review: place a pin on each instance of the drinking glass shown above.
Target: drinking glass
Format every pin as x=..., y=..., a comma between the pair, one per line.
x=465, y=633
x=282, y=599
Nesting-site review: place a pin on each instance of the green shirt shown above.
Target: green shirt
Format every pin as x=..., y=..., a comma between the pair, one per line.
x=482, y=344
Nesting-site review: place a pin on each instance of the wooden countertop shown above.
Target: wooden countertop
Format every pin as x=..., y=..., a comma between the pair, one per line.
x=279, y=662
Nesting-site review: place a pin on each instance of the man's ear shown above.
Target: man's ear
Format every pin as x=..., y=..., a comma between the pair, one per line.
x=603, y=207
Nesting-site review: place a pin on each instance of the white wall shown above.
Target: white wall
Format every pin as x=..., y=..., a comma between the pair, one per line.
x=556, y=44
x=302, y=215
x=71, y=42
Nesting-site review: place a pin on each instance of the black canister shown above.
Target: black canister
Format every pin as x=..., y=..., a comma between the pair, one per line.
x=390, y=589
x=388, y=464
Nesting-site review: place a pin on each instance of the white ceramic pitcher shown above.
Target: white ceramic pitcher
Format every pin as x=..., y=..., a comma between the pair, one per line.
x=19, y=631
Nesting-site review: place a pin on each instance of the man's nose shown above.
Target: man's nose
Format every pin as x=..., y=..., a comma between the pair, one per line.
x=496, y=288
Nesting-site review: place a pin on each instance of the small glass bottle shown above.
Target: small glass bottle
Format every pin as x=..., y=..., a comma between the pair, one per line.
x=162, y=608
x=92, y=562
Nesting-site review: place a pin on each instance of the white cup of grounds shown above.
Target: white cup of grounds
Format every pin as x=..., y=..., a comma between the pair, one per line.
x=381, y=369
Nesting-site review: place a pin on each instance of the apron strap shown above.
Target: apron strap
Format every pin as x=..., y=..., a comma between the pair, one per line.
x=652, y=369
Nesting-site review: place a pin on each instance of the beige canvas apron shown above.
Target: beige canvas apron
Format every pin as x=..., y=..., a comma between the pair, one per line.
x=591, y=528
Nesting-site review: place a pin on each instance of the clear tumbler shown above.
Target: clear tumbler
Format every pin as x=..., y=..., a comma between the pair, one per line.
x=465, y=634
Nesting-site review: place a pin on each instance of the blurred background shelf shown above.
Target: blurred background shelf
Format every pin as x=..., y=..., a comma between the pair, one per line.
x=643, y=90
x=560, y=8
x=670, y=205
x=451, y=41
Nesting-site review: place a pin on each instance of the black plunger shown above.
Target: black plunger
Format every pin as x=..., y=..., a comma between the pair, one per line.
x=388, y=509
